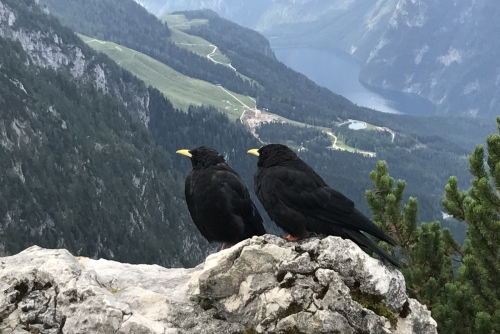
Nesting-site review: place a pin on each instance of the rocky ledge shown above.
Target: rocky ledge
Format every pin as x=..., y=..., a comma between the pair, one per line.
x=261, y=285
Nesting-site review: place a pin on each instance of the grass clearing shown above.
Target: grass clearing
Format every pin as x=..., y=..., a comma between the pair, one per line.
x=198, y=46
x=181, y=90
x=180, y=22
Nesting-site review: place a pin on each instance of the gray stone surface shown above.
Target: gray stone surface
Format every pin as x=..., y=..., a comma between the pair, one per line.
x=261, y=285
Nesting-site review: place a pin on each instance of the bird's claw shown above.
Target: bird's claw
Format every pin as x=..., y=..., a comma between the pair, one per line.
x=290, y=237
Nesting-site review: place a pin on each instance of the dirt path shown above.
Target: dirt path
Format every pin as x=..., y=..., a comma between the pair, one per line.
x=209, y=56
x=354, y=150
x=334, y=145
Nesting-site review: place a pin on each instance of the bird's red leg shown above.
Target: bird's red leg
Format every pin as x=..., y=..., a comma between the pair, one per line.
x=290, y=237
x=223, y=246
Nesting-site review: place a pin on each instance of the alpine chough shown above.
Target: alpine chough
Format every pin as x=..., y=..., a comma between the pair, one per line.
x=299, y=201
x=218, y=200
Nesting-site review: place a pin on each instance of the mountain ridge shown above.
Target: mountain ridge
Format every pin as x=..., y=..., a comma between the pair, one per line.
x=439, y=51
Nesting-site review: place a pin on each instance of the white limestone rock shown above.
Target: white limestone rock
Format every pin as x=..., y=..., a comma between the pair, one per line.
x=261, y=285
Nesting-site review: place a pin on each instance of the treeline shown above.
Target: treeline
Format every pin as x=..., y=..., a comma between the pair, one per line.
x=292, y=135
x=376, y=139
x=368, y=140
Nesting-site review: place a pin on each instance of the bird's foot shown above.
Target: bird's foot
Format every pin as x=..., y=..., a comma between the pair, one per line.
x=224, y=245
x=290, y=237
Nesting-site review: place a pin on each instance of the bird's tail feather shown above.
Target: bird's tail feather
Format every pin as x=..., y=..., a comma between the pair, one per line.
x=358, y=221
x=366, y=242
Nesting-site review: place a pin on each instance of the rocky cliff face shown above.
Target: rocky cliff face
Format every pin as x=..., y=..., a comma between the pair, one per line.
x=67, y=52
x=443, y=51
x=262, y=285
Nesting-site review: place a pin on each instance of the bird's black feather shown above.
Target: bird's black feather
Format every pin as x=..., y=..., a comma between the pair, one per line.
x=218, y=200
x=298, y=200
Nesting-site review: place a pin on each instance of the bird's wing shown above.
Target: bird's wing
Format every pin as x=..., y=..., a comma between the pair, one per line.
x=196, y=212
x=237, y=198
x=305, y=191
x=220, y=205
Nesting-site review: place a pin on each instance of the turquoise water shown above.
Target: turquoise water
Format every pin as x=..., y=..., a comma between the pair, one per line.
x=339, y=72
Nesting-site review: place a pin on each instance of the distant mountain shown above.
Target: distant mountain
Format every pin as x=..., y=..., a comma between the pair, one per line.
x=446, y=52
x=442, y=51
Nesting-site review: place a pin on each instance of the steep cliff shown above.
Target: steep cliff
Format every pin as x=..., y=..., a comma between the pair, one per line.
x=262, y=285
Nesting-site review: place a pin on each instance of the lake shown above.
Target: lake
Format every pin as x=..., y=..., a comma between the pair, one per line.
x=339, y=72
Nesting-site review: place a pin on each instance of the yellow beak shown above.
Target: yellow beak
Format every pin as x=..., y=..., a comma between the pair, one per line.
x=184, y=152
x=254, y=151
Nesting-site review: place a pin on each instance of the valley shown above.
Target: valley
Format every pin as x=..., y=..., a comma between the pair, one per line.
x=181, y=89
x=437, y=55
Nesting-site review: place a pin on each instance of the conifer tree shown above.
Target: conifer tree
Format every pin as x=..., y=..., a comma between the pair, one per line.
x=478, y=282
x=426, y=249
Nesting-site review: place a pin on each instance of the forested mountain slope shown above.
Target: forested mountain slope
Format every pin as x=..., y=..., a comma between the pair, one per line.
x=275, y=87
x=80, y=171
x=128, y=24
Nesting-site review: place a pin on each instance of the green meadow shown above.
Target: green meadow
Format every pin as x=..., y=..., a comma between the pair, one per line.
x=181, y=90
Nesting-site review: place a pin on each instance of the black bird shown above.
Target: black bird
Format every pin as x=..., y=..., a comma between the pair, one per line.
x=218, y=200
x=299, y=201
